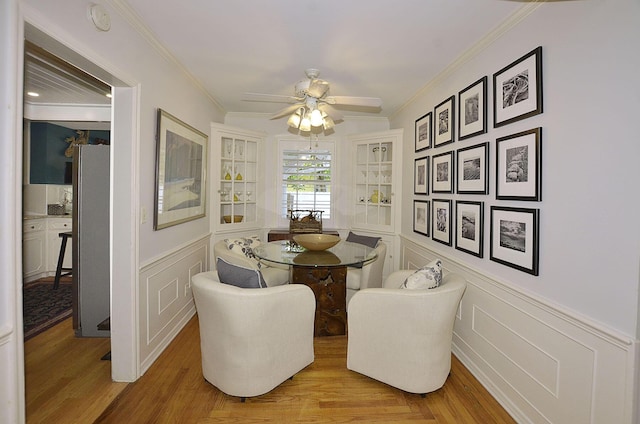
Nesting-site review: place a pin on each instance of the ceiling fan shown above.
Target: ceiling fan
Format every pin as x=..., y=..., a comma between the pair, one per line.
x=310, y=95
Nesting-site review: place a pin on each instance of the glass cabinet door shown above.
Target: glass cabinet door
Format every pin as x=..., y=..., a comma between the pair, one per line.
x=375, y=179
x=236, y=176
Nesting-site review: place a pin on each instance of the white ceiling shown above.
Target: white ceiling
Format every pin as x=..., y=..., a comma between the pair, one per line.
x=373, y=48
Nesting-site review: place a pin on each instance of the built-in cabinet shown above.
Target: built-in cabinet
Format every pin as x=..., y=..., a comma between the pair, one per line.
x=235, y=168
x=34, y=244
x=377, y=157
x=376, y=189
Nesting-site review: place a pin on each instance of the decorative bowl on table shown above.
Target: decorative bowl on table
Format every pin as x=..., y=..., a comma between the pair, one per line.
x=236, y=218
x=316, y=241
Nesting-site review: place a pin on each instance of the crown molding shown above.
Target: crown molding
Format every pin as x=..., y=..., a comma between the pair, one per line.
x=493, y=35
x=132, y=17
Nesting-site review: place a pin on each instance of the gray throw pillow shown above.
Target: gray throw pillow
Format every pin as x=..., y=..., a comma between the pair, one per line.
x=238, y=276
x=372, y=242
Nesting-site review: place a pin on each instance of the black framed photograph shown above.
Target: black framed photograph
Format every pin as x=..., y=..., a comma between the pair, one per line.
x=423, y=132
x=472, y=110
x=442, y=221
x=421, y=217
x=444, y=115
x=442, y=168
x=181, y=161
x=517, y=89
x=515, y=238
x=470, y=227
x=421, y=176
x=519, y=166
x=473, y=169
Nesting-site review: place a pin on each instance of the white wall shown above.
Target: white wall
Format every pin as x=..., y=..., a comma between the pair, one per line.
x=589, y=242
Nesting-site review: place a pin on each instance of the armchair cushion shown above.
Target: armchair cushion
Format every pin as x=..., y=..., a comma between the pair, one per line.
x=238, y=276
x=427, y=277
x=372, y=242
x=244, y=246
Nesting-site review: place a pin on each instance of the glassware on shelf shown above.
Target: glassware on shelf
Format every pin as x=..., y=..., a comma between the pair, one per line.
x=240, y=150
x=239, y=177
x=223, y=195
x=227, y=174
x=380, y=153
x=375, y=197
x=237, y=196
x=248, y=193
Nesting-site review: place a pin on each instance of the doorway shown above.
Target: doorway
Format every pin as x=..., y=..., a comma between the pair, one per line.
x=123, y=224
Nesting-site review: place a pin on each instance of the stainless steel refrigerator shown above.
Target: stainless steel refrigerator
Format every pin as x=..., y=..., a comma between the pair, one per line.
x=90, y=241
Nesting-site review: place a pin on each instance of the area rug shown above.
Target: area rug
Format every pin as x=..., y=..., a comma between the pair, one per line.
x=44, y=307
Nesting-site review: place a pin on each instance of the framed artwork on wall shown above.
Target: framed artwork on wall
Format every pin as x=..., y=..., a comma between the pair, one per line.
x=443, y=173
x=421, y=176
x=442, y=221
x=519, y=166
x=472, y=110
x=473, y=169
x=423, y=132
x=517, y=89
x=181, y=160
x=444, y=115
x=470, y=227
x=421, y=217
x=515, y=238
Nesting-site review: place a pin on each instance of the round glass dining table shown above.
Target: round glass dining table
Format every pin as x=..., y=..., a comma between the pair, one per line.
x=345, y=253
x=325, y=272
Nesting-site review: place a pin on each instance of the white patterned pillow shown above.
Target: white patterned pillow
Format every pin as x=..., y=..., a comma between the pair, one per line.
x=427, y=277
x=244, y=246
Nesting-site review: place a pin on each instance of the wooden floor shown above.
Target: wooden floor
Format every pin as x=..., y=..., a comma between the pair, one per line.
x=67, y=383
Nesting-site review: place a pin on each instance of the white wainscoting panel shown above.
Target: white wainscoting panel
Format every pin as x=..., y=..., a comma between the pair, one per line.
x=165, y=298
x=543, y=364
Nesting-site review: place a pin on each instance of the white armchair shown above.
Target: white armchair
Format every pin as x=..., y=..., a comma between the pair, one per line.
x=273, y=274
x=369, y=276
x=402, y=337
x=252, y=340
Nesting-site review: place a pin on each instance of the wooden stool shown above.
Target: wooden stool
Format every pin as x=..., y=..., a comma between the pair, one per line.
x=59, y=268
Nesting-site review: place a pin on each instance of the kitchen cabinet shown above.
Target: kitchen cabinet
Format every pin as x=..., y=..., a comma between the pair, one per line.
x=34, y=240
x=235, y=168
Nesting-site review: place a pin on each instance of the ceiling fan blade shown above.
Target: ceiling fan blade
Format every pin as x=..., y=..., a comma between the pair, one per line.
x=273, y=98
x=354, y=101
x=330, y=111
x=318, y=88
x=286, y=111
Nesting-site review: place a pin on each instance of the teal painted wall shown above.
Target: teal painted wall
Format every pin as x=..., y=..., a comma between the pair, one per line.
x=48, y=145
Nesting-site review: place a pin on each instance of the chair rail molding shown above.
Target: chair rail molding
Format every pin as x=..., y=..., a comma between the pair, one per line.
x=541, y=362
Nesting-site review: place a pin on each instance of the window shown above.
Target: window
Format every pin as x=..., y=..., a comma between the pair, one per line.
x=306, y=179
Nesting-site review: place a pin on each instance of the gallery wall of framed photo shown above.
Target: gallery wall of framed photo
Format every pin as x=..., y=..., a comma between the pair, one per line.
x=453, y=152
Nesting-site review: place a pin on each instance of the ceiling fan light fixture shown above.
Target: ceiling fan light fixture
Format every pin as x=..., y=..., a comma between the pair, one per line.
x=316, y=118
x=294, y=120
x=327, y=123
x=305, y=124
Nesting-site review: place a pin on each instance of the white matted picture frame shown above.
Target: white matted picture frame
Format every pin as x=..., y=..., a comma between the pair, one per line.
x=472, y=110
x=443, y=173
x=444, y=128
x=517, y=89
x=470, y=227
x=515, y=238
x=519, y=166
x=441, y=227
x=421, y=176
x=423, y=132
x=181, y=163
x=473, y=169
x=421, y=217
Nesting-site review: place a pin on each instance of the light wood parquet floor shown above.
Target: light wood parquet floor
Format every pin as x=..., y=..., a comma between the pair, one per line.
x=69, y=384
